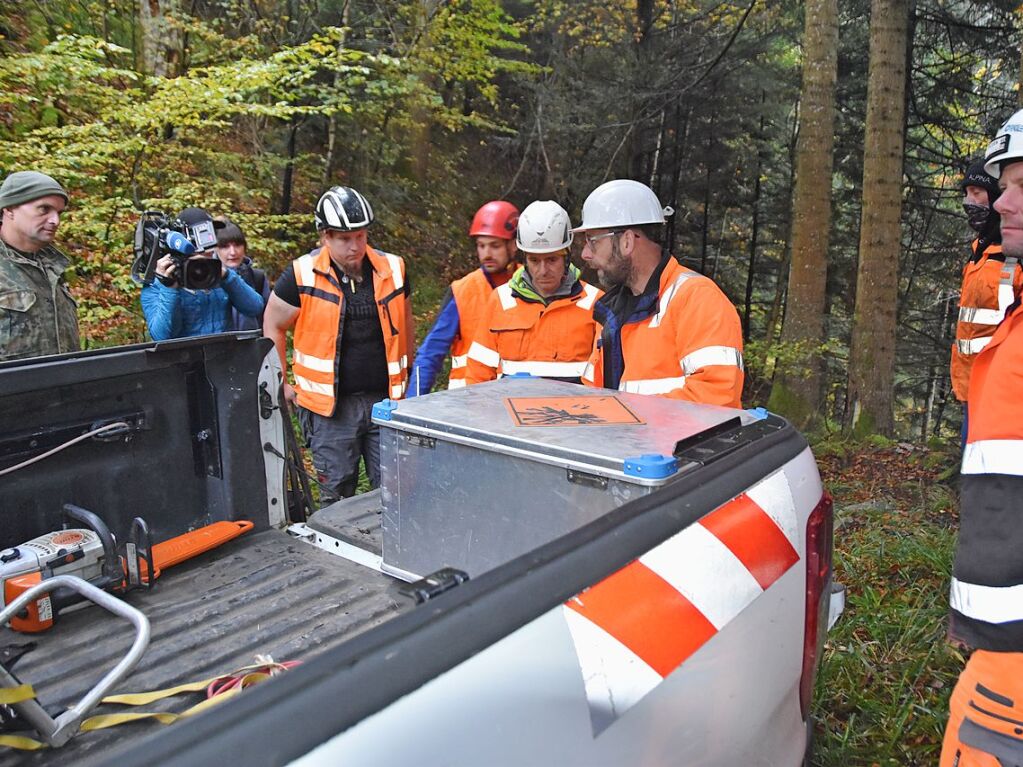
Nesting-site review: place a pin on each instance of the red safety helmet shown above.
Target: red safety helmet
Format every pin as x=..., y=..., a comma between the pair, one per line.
x=495, y=219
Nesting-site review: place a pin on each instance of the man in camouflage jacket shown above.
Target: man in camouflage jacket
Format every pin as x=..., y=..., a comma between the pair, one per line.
x=37, y=312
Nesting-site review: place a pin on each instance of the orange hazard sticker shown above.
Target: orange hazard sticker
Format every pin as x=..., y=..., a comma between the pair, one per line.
x=570, y=411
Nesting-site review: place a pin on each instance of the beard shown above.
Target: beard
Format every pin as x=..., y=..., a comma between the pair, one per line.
x=618, y=270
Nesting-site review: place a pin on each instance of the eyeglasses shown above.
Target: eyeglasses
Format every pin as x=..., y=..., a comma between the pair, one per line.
x=590, y=240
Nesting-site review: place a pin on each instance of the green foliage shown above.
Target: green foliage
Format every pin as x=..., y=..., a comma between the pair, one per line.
x=882, y=688
x=884, y=684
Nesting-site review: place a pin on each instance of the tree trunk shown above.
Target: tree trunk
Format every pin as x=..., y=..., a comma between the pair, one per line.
x=754, y=225
x=705, y=225
x=161, y=41
x=328, y=159
x=1019, y=90
x=287, y=182
x=796, y=389
x=870, y=391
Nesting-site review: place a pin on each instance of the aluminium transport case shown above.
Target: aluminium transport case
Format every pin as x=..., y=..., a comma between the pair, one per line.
x=472, y=478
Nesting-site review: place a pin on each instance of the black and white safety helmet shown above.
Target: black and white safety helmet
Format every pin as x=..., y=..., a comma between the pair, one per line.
x=344, y=209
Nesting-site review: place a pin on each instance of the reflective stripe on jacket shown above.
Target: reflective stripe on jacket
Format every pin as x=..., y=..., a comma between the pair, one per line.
x=471, y=295
x=318, y=328
x=687, y=344
x=987, y=582
x=518, y=336
x=453, y=330
x=990, y=285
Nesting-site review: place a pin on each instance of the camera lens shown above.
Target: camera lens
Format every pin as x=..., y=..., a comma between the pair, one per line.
x=201, y=273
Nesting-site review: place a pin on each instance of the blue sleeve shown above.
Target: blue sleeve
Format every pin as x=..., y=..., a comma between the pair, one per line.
x=162, y=309
x=242, y=297
x=435, y=347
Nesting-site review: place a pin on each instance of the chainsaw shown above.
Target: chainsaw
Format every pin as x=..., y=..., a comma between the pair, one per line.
x=90, y=552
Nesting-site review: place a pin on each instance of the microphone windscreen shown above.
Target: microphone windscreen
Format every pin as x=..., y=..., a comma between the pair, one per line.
x=179, y=243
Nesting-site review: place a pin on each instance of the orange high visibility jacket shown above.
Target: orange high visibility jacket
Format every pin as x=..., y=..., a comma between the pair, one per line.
x=321, y=312
x=990, y=285
x=471, y=295
x=987, y=577
x=685, y=342
x=520, y=336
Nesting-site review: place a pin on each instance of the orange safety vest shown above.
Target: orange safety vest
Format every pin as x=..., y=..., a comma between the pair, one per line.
x=471, y=295
x=690, y=348
x=321, y=312
x=990, y=285
x=987, y=577
x=518, y=336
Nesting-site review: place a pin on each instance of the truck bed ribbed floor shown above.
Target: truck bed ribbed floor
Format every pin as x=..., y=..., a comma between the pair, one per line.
x=265, y=593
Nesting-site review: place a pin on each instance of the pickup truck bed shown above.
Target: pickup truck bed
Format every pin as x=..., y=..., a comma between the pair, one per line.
x=522, y=664
x=208, y=616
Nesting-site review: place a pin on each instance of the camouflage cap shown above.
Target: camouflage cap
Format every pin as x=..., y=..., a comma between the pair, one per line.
x=27, y=185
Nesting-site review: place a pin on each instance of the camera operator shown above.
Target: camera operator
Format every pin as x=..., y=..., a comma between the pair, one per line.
x=173, y=311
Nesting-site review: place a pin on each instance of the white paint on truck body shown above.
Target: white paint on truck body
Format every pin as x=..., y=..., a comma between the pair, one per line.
x=526, y=700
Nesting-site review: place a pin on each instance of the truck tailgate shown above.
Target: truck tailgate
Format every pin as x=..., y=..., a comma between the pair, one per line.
x=265, y=593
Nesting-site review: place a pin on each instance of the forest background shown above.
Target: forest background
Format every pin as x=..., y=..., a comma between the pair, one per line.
x=811, y=152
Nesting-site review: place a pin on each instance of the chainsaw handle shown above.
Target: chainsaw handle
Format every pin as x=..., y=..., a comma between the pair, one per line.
x=93, y=522
x=59, y=731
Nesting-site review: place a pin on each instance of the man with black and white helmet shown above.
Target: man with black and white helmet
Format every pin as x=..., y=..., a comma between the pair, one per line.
x=349, y=305
x=541, y=321
x=667, y=330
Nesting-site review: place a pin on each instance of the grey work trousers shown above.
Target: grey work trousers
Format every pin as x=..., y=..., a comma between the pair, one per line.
x=338, y=442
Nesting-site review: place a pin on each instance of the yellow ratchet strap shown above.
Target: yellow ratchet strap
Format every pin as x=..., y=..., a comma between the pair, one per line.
x=251, y=675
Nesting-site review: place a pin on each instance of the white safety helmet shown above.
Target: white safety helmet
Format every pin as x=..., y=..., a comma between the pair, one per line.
x=1007, y=145
x=543, y=227
x=344, y=209
x=622, y=203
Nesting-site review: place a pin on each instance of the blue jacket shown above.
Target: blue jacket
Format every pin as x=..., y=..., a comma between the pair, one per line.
x=434, y=348
x=180, y=313
x=258, y=281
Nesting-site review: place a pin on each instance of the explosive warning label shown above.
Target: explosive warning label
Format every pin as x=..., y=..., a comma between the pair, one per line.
x=570, y=411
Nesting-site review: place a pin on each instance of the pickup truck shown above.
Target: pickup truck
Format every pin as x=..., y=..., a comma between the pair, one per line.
x=514, y=594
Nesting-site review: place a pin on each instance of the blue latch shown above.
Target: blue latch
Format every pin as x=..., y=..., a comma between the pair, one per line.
x=384, y=408
x=651, y=466
x=759, y=413
x=521, y=374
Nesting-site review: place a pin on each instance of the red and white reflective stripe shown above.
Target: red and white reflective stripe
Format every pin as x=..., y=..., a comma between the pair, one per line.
x=994, y=456
x=641, y=623
x=459, y=361
x=456, y=383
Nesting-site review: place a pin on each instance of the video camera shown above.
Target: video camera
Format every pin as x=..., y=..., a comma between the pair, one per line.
x=157, y=235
